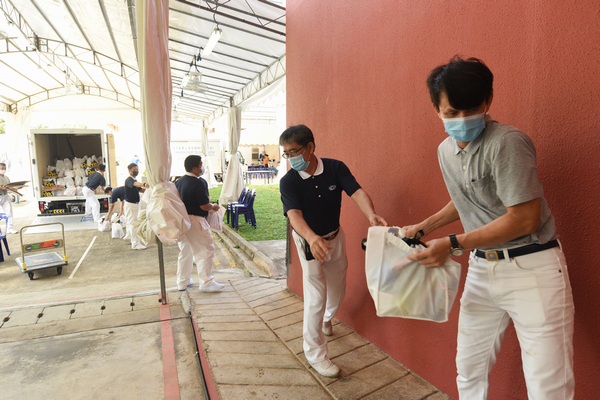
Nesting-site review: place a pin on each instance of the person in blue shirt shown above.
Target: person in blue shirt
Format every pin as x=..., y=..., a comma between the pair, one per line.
x=95, y=181
x=311, y=193
x=132, y=206
x=116, y=194
x=198, y=242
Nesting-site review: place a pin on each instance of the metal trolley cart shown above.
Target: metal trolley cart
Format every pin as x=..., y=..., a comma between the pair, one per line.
x=44, y=257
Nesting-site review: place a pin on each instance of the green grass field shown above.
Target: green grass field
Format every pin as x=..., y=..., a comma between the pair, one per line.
x=270, y=222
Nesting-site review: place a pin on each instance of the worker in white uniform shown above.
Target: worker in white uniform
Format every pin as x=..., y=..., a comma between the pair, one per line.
x=5, y=203
x=198, y=243
x=92, y=205
x=132, y=204
x=311, y=193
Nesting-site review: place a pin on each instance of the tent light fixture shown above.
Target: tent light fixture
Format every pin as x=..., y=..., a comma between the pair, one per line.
x=212, y=41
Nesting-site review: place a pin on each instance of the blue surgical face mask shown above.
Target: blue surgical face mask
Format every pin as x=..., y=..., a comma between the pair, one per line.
x=298, y=163
x=465, y=129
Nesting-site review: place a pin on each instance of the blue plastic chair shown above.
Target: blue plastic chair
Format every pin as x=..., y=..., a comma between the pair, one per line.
x=241, y=200
x=3, y=236
x=247, y=209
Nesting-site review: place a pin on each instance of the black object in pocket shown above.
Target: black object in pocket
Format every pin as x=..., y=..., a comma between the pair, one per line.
x=307, y=253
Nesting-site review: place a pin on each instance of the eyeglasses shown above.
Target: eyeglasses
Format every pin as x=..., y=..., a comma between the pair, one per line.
x=292, y=153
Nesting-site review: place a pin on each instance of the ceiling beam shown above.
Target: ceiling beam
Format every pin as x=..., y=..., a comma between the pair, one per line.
x=222, y=14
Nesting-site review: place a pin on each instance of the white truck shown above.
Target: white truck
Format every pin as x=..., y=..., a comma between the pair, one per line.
x=59, y=167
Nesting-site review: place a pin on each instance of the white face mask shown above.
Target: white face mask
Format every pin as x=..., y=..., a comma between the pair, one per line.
x=202, y=171
x=2, y=171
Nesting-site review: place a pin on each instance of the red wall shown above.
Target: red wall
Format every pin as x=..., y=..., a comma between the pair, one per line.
x=356, y=75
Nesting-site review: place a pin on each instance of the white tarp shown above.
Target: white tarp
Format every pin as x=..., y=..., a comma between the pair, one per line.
x=166, y=212
x=17, y=129
x=233, y=183
x=209, y=175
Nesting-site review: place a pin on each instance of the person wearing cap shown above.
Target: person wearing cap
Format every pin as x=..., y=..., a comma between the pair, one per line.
x=311, y=193
x=517, y=269
x=5, y=202
x=95, y=181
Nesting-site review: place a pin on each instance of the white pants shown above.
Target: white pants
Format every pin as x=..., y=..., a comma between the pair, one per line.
x=324, y=288
x=197, y=246
x=131, y=214
x=92, y=205
x=534, y=292
x=6, y=206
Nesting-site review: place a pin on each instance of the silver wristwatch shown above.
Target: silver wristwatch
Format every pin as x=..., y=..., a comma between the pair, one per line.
x=455, y=250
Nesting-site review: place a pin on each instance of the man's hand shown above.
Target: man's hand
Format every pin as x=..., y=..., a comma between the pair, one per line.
x=215, y=207
x=320, y=248
x=413, y=230
x=376, y=220
x=436, y=253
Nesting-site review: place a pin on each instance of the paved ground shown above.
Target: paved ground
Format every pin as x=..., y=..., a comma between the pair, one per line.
x=103, y=333
x=252, y=335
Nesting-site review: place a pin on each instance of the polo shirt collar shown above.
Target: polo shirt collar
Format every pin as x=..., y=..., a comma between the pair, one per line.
x=318, y=171
x=474, y=145
x=192, y=175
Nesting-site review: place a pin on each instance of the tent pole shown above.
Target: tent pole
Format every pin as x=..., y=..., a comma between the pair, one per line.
x=161, y=264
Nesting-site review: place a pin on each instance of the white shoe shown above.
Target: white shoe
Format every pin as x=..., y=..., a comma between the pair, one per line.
x=327, y=368
x=213, y=287
x=138, y=247
x=12, y=231
x=327, y=328
x=191, y=282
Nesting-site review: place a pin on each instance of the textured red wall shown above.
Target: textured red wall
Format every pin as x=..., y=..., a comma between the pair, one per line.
x=356, y=75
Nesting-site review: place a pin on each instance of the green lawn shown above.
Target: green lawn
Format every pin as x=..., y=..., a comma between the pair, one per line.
x=270, y=222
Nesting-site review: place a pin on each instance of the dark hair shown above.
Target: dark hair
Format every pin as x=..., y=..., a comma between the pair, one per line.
x=131, y=166
x=101, y=167
x=467, y=83
x=191, y=162
x=107, y=189
x=2, y=164
x=300, y=134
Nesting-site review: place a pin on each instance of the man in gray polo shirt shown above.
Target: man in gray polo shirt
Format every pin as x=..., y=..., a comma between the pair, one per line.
x=517, y=270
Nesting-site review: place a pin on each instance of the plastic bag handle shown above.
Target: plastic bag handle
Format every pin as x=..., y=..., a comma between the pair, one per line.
x=363, y=244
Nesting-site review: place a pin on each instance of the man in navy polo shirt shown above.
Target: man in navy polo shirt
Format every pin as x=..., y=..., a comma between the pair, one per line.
x=311, y=193
x=92, y=205
x=116, y=194
x=198, y=242
x=132, y=206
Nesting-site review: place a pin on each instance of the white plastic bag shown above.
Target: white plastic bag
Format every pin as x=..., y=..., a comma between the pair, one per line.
x=215, y=219
x=117, y=231
x=104, y=225
x=404, y=288
x=70, y=191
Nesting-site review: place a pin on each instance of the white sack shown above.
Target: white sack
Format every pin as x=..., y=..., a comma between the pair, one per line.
x=117, y=230
x=104, y=226
x=68, y=164
x=166, y=213
x=70, y=191
x=404, y=288
x=215, y=219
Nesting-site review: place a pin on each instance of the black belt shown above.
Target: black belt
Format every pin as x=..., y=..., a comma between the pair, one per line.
x=333, y=235
x=495, y=255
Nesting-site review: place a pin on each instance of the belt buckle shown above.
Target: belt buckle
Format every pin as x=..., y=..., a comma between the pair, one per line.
x=492, y=255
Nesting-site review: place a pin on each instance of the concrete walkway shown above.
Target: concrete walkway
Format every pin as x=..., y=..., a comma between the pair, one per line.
x=251, y=333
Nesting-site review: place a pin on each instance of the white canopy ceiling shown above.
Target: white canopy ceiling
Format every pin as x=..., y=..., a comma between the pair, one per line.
x=56, y=48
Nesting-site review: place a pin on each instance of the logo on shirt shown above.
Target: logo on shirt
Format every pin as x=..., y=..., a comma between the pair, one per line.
x=332, y=188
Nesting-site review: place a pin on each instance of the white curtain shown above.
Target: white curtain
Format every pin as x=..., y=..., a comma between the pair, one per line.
x=17, y=129
x=233, y=183
x=209, y=175
x=166, y=214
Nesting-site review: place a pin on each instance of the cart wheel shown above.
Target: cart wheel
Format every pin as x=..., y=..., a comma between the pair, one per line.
x=59, y=270
x=30, y=275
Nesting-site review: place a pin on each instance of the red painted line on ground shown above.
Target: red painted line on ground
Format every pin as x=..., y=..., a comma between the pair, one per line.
x=211, y=385
x=168, y=353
